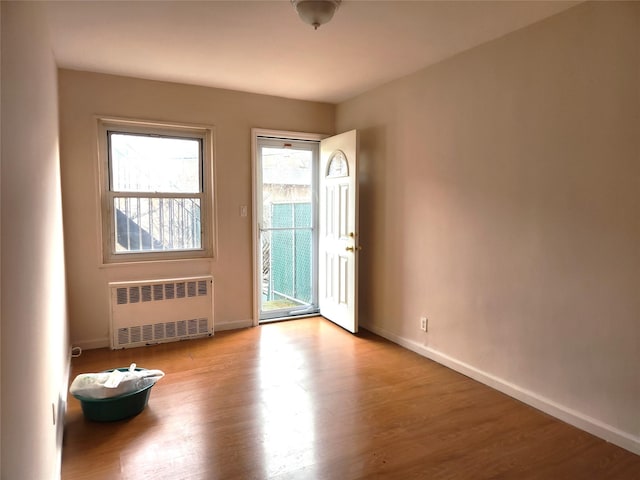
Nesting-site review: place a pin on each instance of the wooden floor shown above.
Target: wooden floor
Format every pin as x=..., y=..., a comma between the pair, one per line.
x=306, y=400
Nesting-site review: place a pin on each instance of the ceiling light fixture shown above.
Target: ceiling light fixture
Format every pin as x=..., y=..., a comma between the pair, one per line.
x=316, y=12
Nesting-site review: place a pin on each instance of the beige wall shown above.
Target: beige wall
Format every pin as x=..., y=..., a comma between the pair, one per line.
x=500, y=197
x=84, y=95
x=35, y=349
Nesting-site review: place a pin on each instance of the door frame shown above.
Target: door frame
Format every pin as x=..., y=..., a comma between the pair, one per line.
x=256, y=177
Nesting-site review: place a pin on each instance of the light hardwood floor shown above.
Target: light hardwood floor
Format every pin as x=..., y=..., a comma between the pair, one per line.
x=306, y=400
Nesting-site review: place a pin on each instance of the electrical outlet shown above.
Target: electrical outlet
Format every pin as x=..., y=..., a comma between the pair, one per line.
x=423, y=324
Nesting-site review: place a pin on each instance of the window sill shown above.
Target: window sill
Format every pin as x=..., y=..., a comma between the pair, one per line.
x=156, y=261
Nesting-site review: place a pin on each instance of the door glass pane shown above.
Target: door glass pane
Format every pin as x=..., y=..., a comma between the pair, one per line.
x=287, y=233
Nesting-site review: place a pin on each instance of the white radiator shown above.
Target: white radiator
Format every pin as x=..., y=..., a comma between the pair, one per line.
x=158, y=311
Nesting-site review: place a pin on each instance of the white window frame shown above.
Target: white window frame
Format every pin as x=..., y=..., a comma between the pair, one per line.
x=206, y=196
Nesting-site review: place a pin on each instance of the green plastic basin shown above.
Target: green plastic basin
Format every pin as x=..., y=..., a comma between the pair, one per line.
x=115, y=408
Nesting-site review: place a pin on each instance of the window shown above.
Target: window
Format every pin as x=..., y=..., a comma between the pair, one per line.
x=338, y=166
x=156, y=191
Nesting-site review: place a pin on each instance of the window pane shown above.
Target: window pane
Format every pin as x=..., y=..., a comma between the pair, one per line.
x=157, y=224
x=141, y=163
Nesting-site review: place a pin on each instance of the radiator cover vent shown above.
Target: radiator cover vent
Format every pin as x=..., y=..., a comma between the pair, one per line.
x=157, y=311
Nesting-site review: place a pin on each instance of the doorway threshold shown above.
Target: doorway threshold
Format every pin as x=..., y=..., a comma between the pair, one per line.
x=284, y=318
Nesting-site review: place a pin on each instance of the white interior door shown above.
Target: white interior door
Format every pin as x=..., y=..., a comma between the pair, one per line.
x=338, y=246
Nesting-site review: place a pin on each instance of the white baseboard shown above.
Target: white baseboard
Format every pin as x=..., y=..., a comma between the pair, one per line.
x=220, y=327
x=573, y=417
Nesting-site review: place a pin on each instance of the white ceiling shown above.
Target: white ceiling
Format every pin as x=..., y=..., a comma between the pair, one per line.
x=263, y=47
